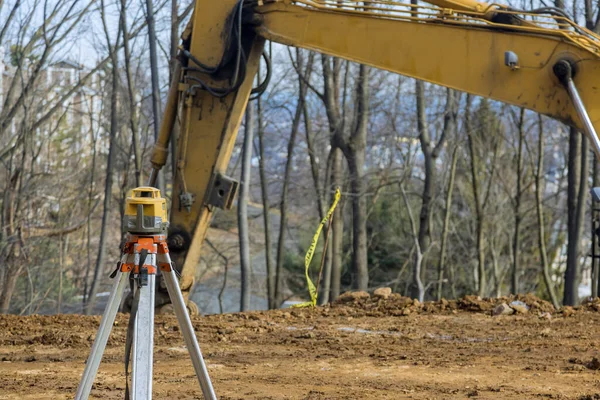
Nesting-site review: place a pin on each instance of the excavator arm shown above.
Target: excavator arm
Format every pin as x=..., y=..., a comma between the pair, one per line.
x=539, y=60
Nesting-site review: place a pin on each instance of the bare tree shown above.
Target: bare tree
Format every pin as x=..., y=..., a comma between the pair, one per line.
x=576, y=192
x=100, y=259
x=517, y=205
x=325, y=291
x=475, y=166
x=35, y=36
x=243, y=199
x=577, y=182
x=445, y=228
x=283, y=205
x=264, y=186
x=91, y=192
x=484, y=138
x=353, y=148
x=133, y=118
x=420, y=294
x=337, y=225
x=32, y=53
x=539, y=178
x=431, y=153
x=331, y=68
x=154, y=76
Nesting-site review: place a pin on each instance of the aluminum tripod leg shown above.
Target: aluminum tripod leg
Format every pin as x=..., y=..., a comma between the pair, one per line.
x=108, y=319
x=143, y=343
x=188, y=334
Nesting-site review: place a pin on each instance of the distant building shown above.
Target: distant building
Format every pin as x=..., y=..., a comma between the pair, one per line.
x=71, y=128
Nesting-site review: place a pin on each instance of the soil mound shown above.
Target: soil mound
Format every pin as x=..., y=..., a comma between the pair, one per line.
x=397, y=305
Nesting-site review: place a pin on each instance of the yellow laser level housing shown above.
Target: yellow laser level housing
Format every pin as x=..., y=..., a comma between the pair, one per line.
x=145, y=211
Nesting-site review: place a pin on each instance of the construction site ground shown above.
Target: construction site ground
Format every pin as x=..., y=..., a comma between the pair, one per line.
x=359, y=348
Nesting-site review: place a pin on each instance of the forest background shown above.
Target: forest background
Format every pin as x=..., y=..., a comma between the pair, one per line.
x=443, y=194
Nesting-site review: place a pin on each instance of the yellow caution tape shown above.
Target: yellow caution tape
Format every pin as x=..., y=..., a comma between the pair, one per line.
x=312, y=290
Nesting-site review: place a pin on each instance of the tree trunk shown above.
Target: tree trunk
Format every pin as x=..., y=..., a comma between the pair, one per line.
x=325, y=289
x=314, y=165
x=10, y=281
x=591, y=22
x=11, y=230
x=576, y=192
x=100, y=259
x=174, y=61
x=90, y=199
x=574, y=229
x=595, y=264
x=496, y=267
x=430, y=155
x=517, y=235
x=540, y=216
x=155, y=85
x=10, y=262
x=330, y=98
x=445, y=228
x=355, y=156
x=264, y=186
x=583, y=193
x=286, y=182
x=246, y=269
x=418, y=253
x=475, y=168
x=429, y=165
x=337, y=227
x=133, y=121
x=60, y=272
x=360, y=266
x=481, y=278
x=174, y=38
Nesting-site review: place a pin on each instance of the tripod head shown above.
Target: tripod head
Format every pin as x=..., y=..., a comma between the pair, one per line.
x=145, y=212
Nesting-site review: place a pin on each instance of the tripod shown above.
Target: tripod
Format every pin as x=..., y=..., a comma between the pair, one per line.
x=142, y=255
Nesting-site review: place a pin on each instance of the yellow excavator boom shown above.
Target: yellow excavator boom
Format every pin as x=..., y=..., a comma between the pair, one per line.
x=539, y=60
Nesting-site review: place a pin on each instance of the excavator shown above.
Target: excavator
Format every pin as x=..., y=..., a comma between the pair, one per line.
x=538, y=59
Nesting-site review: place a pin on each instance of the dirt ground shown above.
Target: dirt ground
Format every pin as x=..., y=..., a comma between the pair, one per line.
x=359, y=348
